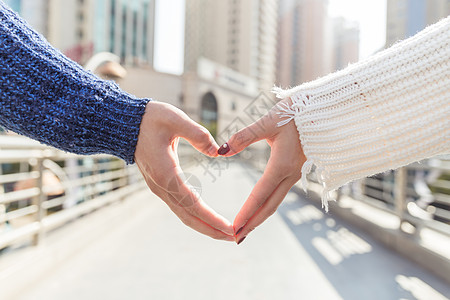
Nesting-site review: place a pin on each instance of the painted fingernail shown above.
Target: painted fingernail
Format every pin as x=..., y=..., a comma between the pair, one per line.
x=241, y=240
x=240, y=229
x=224, y=149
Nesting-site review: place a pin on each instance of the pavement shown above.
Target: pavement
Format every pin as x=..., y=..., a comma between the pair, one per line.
x=299, y=253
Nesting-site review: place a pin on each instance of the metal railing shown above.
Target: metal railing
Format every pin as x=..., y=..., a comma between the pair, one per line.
x=42, y=189
x=418, y=193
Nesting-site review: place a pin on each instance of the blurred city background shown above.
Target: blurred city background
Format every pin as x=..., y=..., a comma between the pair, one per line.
x=86, y=227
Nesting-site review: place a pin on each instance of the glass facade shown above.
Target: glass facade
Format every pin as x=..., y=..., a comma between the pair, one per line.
x=129, y=32
x=100, y=26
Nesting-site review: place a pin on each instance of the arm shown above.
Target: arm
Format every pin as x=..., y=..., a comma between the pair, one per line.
x=46, y=96
x=50, y=98
x=379, y=114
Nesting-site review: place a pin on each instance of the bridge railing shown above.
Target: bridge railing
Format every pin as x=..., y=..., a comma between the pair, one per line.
x=42, y=188
x=419, y=194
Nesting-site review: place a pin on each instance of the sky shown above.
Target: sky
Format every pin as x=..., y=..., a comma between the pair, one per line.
x=169, y=36
x=170, y=16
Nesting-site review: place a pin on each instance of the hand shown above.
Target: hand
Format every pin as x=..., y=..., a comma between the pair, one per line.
x=156, y=156
x=283, y=169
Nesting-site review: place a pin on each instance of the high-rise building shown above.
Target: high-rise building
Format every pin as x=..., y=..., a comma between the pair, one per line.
x=346, y=43
x=122, y=27
x=34, y=11
x=305, y=44
x=80, y=28
x=239, y=34
x=125, y=28
x=407, y=17
x=70, y=27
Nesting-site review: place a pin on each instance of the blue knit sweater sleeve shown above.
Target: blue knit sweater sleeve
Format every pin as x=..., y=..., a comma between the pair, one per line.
x=46, y=96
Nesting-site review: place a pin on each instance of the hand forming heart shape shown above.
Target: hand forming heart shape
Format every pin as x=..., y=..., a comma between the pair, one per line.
x=283, y=169
x=156, y=156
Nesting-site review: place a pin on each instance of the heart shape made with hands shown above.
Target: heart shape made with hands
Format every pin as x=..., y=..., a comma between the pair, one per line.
x=156, y=156
x=282, y=171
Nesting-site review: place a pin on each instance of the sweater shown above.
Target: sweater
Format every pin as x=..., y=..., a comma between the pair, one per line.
x=48, y=97
x=382, y=113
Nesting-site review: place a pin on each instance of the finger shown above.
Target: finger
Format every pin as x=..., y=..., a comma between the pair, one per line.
x=186, y=196
x=198, y=136
x=187, y=218
x=259, y=130
x=268, y=209
x=167, y=174
x=265, y=186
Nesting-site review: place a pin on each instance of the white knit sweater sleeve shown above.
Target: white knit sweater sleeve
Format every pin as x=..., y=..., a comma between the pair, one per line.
x=379, y=114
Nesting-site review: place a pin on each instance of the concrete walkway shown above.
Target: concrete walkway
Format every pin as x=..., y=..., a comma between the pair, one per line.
x=299, y=253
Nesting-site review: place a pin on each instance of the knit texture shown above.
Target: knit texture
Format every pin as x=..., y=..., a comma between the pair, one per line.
x=48, y=97
x=382, y=113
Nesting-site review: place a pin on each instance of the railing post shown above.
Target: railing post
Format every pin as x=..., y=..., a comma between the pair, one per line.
x=400, y=193
x=125, y=180
x=71, y=164
x=96, y=182
x=38, y=200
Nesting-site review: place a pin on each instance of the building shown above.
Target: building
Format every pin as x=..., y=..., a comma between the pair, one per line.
x=346, y=43
x=304, y=41
x=66, y=24
x=221, y=99
x=80, y=28
x=240, y=35
x=34, y=11
x=407, y=17
x=125, y=28
x=228, y=57
x=70, y=24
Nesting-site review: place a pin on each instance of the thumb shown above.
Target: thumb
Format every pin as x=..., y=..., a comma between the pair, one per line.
x=200, y=138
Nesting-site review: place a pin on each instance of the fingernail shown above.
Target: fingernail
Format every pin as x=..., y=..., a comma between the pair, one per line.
x=224, y=149
x=241, y=240
x=240, y=229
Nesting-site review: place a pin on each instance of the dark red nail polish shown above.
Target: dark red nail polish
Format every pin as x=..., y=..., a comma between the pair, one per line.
x=240, y=229
x=241, y=240
x=224, y=149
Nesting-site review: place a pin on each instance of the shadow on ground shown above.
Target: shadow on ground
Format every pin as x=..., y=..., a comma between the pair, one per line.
x=356, y=265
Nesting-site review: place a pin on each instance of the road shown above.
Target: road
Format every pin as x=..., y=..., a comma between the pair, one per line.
x=299, y=253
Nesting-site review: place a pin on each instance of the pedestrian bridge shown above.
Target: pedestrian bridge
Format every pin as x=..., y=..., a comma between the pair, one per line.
x=88, y=228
